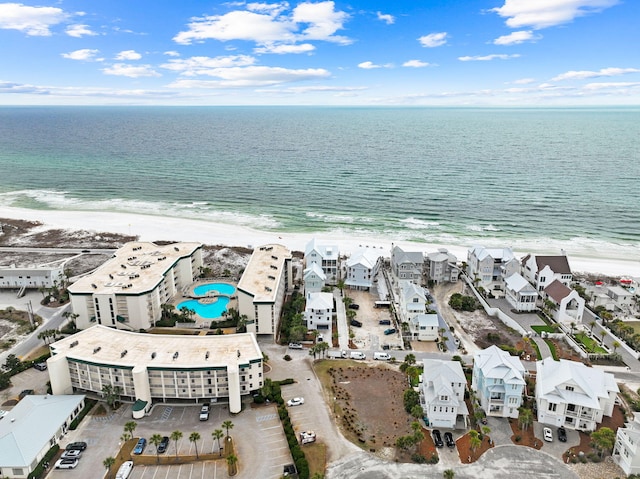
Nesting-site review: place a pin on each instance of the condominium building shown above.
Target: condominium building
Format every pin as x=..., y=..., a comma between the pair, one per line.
x=148, y=367
x=128, y=291
x=263, y=286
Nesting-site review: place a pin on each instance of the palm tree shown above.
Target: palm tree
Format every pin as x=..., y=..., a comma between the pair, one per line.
x=615, y=346
x=603, y=333
x=232, y=460
x=525, y=418
x=194, y=437
x=592, y=323
x=175, y=437
x=156, y=439
x=340, y=284
x=448, y=474
x=107, y=463
x=227, y=425
x=217, y=435
x=474, y=440
x=129, y=427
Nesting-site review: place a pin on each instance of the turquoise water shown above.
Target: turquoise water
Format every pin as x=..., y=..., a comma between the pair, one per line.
x=222, y=288
x=534, y=179
x=207, y=311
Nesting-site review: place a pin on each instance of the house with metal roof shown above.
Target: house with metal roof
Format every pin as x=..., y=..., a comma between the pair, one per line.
x=362, y=268
x=572, y=395
x=32, y=428
x=519, y=293
x=441, y=266
x=442, y=393
x=413, y=300
x=626, y=451
x=424, y=327
x=489, y=267
x=318, y=312
x=314, y=278
x=407, y=265
x=325, y=256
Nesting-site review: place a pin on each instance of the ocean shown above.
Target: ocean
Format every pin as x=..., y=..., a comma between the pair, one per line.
x=535, y=179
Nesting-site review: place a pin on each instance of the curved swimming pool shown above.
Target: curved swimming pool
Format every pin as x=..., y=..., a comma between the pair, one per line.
x=207, y=311
x=222, y=288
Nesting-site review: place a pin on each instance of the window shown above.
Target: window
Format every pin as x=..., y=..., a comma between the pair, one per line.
x=552, y=407
x=444, y=398
x=569, y=388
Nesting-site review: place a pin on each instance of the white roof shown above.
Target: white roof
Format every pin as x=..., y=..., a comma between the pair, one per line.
x=328, y=252
x=498, y=364
x=503, y=254
x=29, y=426
x=410, y=289
x=426, y=319
x=365, y=256
x=516, y=282
x=317, y=301
x=437, y=378
x=263, y=273
x=314, y=269
x=553, y=377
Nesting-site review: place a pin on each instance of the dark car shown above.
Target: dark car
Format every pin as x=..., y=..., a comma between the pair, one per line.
x=79, y=446
x=142, y=443
x=162, y=447
x=562, y=434
x=354, y=306
x=390, y=331
x=385, y=322
x=448, y=438
x=289, y=470
x=25, y=392
x=437, y=438
x=356, y=323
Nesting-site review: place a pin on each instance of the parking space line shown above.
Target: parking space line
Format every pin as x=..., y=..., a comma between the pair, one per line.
x=267, y=428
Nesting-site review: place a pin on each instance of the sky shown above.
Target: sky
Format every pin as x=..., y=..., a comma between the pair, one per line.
x=352, y=53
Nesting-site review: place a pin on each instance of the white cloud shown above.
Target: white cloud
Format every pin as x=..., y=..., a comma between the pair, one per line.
x=612, y=86
x=433, y=39
x=415, y=64
x=486, y=58
x=79, y=31
x=266, y=26
x=253, y=76
x=131, y=71
x=385, y=17
x=86, y=54
x=540, y=14
x=128, y=55
x=272, y=9
x=288, y=48
x=516, y=38
x=585, y=74
x=172, y=53
x=371, y=65
x=34, y=21
x=206, y=65
x=524, y=81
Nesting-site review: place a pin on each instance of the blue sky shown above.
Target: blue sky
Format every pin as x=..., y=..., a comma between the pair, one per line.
x=363, y=52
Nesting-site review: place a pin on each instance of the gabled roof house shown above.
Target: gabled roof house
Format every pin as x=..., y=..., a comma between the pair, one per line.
x=569, y=305
x=442, y=393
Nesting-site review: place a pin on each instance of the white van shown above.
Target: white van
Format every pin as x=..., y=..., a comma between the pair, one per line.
x=381, y=356
x=357, y=355
x=125, y=470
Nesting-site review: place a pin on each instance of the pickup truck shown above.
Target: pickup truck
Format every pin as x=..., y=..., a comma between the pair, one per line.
x=336, y=354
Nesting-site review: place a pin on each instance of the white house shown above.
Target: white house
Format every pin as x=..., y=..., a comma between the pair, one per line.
x=30, y=276
x=442, y=393
x=314, y=278
x=362, y=267
x=424, y=327
x=498, y=379
x=488, y=267
x=32, y=428
x=519, y=293
x=541, y=271
x=406, y=265
x=626, y=451
x=318, y=312
x=442, y=267
x=572, y=395
x=569, y=305
x=412, y=299
x=325, y=256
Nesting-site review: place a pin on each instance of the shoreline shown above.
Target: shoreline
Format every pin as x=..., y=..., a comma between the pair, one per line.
x=160, y=228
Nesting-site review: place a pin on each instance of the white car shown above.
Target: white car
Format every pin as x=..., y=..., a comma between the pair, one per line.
x=73, y=454
x=66, y=463
x=548, y=435
x=295, y=402
x=204, y=412
x=307, y=437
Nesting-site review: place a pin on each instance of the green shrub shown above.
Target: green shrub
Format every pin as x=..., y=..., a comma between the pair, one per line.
x=418, y=458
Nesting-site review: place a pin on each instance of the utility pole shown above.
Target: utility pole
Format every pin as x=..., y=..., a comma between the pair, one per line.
x=30, y=312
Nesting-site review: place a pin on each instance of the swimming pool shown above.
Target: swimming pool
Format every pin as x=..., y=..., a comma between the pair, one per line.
x=207, y=311
x=222, y=288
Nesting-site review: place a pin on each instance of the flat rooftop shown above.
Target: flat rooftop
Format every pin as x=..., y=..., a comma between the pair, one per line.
x=103, y=345
x=262, y=275
x=137, y=267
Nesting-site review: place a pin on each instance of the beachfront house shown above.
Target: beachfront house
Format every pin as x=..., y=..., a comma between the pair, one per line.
x=442, y=394
x=318, y=312
x=621, y=298
x=34, y=426
x=314, y=278
x=325, y=256
x=150, y=368
x=541, y=271
x=29, y=276
x=572, y=395
x=413, y=300
x=498, y=380
x=406, y=265
x=520, y=294
x=362, y=268
x=568, y=306
x=424, y=327
x=263, y=286
x=489, y=267
x=441, y=267
x=128, y=291
x=626, y=451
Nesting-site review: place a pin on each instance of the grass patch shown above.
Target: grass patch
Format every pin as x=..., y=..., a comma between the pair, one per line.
x=316, y=455
x=36, y=353
x=552, y=348
x=635, y=325
x=589, y=344
x=544, y=329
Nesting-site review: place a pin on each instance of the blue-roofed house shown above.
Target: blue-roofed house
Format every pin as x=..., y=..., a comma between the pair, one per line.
x=32, y=428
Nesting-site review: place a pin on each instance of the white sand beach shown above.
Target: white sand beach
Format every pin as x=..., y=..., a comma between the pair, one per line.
x=156, y=228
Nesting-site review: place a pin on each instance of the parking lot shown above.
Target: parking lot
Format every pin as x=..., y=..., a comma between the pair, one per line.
x=371, y=334
x=260, y=442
